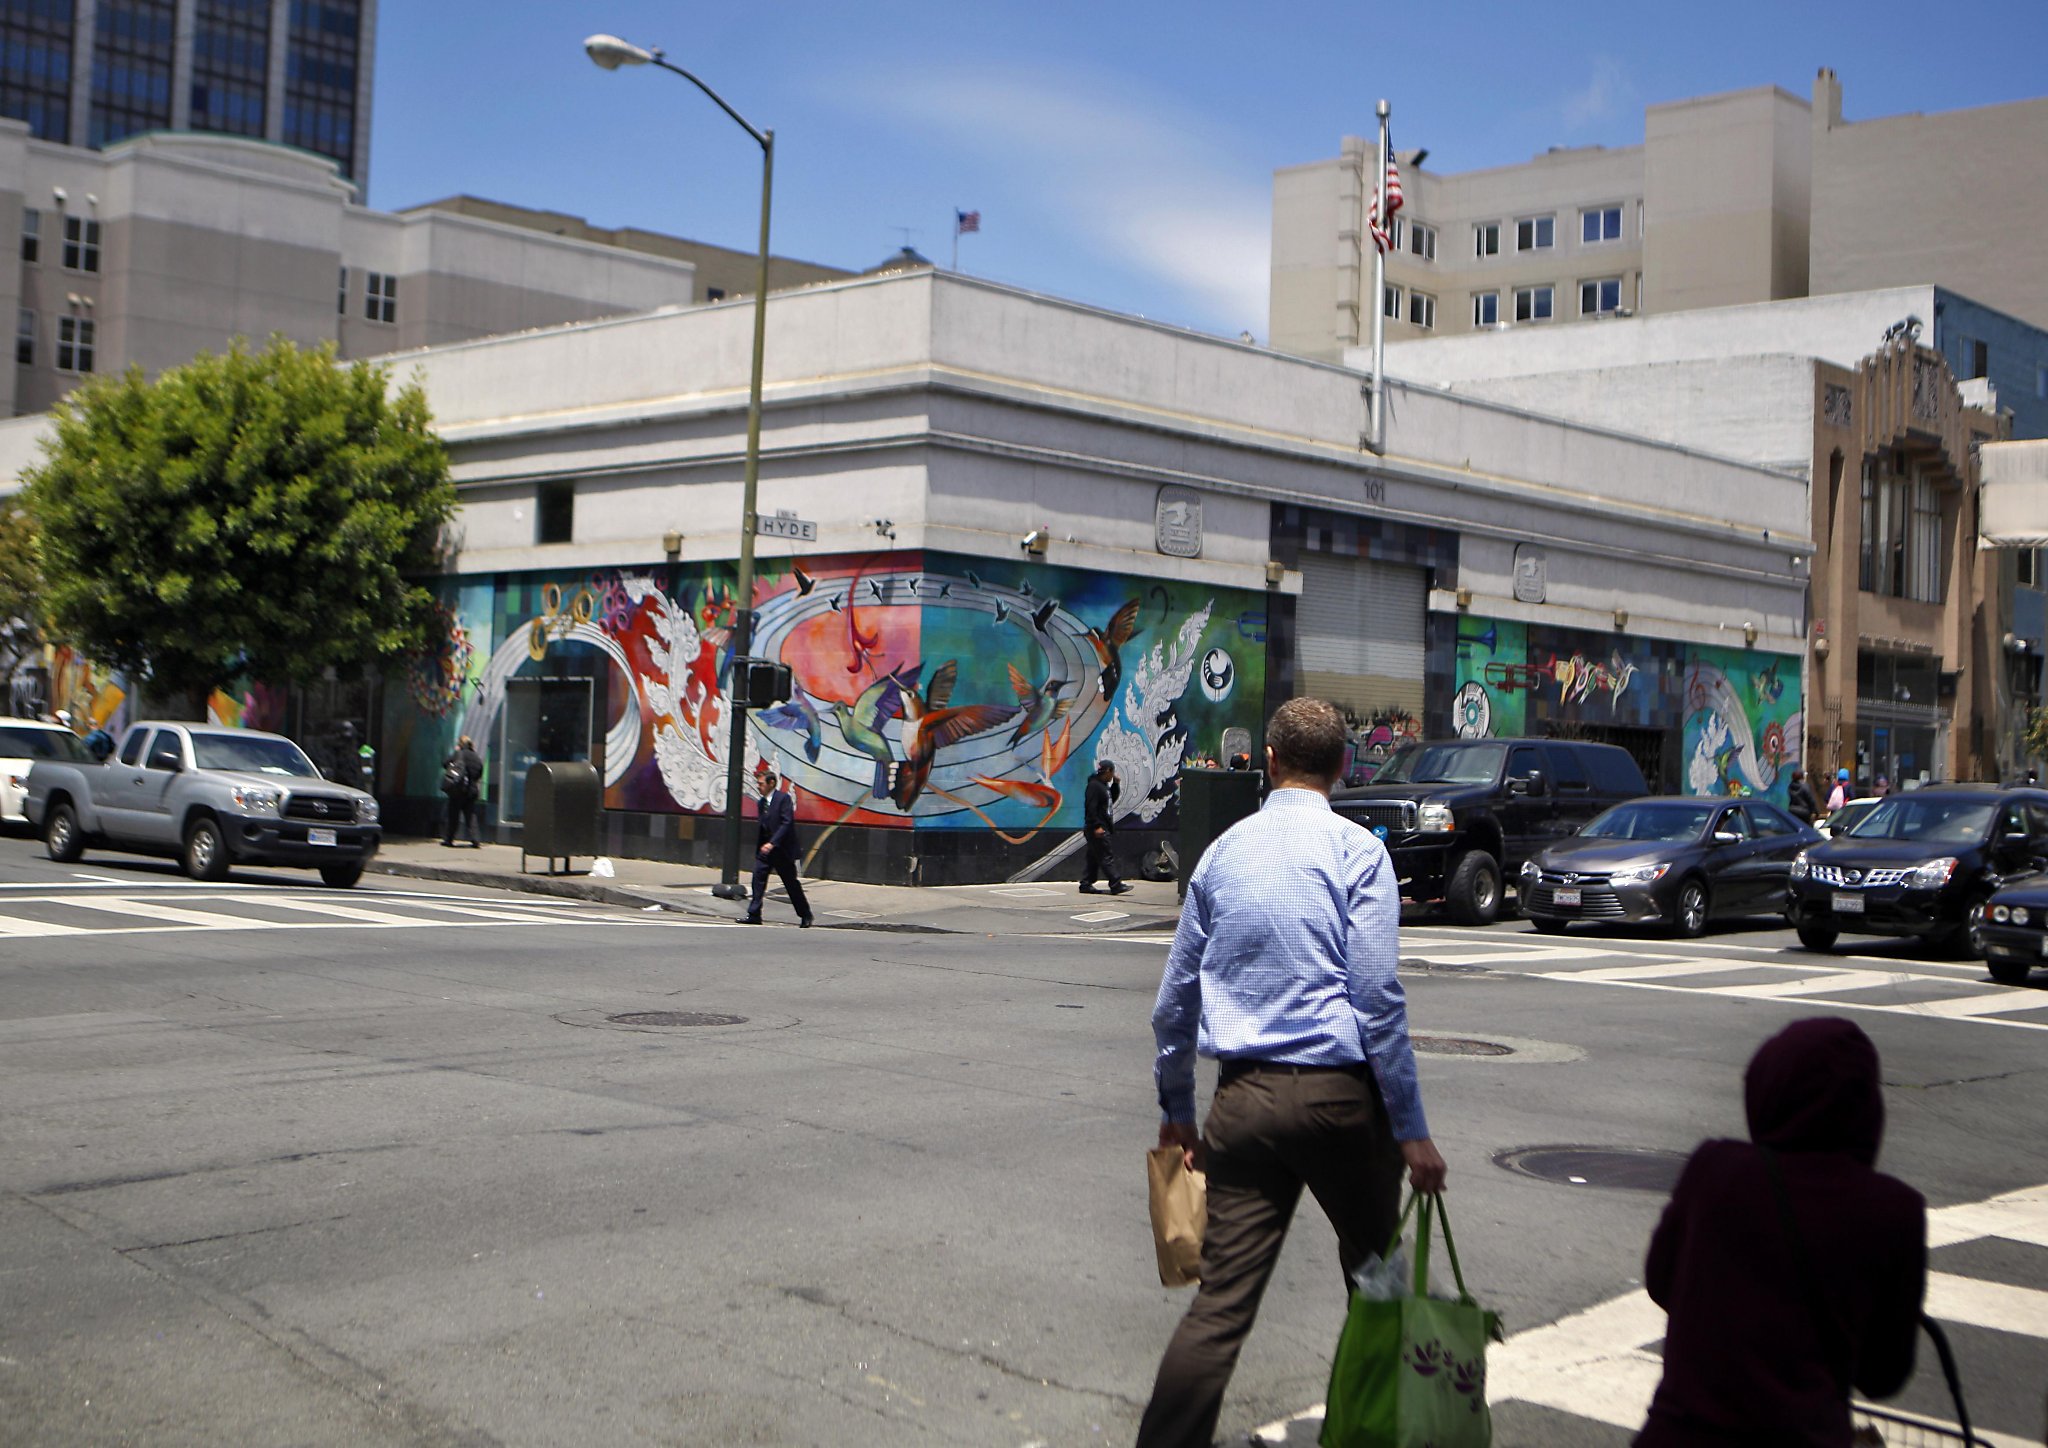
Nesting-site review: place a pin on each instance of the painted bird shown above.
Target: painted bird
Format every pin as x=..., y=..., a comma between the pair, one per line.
x=1041, y=705
x=800, y=715
x=1002, y=611
x=1046, y=610
x=1108, y=643
x=1054, y=749
x=930, y=725
x=1040, y=796
x=804, y=582
x=860, y=722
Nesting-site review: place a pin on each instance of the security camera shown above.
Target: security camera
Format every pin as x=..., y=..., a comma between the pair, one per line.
x=1035, y=542
x=61, y=194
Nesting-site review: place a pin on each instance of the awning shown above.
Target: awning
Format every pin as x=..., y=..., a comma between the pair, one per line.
x=2013, y=501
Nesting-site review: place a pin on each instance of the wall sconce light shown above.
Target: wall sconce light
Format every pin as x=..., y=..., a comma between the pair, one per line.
x=1820, y=649
x=1748, y=634
x=1464, y=597
x=1036, y=542
x=1276, y=573
x=1620, y=618
x=672, y=542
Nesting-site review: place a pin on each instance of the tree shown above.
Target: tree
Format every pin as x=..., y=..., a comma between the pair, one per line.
x=273, y=514
x=21, y=629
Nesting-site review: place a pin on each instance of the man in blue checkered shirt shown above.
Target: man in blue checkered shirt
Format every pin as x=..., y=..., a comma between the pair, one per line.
x=1283, y=970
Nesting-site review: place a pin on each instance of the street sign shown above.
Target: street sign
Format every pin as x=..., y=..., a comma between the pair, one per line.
x=785, y=525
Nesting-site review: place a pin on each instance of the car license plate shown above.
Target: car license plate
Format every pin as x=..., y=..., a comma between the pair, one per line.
x=1846, y=904
x=1565, y=897
x=319, y=837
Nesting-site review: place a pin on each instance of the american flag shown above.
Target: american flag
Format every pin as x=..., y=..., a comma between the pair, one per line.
x=966, y=221
x=1383, y=227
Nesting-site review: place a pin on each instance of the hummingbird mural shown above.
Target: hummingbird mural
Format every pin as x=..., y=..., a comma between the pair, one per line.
x=800, y=715
x=931, y=723
x=1041, y=705
x=861, y=721
x=1108, y=643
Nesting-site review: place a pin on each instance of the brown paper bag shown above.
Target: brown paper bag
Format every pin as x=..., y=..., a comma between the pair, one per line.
x=1180, y=1209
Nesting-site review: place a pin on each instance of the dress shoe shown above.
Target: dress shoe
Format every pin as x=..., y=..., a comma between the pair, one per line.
x=1119, y=888
x=804, y=924
x=750, y=920
x=1090, y=890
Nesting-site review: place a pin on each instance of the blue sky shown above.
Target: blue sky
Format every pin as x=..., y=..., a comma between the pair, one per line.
x=1120, y=154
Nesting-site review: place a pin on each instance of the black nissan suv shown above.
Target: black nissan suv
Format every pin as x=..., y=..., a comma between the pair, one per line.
x=1461, y=815
x=1918, y=865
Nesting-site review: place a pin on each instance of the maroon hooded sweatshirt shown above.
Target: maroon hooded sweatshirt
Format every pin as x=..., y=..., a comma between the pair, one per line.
x=1746, y=1359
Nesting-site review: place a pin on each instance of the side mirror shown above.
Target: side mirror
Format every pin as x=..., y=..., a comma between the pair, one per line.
x=2016, y=840
x=1727, y=837
x=1536, y=783
x=168, y=763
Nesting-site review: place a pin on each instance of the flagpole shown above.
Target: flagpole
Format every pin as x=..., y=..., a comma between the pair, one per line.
x=1379, y=296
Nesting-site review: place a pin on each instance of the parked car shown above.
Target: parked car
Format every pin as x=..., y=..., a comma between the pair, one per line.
x=22, y=743
x=2012, y=930
x=1459, y=816
x=1841, y=821
x=210, y=797
x=1672, y=861
x=1918, y=865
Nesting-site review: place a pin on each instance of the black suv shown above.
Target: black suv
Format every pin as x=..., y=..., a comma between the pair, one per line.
x=1461, y=815
x=1918, y=865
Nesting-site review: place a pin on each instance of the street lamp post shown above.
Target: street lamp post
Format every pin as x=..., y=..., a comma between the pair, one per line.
x=610, y=52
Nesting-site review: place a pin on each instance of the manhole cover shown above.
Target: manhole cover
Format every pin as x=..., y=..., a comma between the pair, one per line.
x=675, y=1018
x=1625, y=1168
x=1459, y=1046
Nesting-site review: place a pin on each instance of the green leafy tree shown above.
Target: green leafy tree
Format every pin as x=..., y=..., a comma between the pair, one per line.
x=2036, y=739
x=21, y=592
x=272, y=513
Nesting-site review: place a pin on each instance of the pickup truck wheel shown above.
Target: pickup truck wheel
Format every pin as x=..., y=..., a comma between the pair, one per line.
x=342, y=876
x=2009, y=972
x=62, y=836
x=206, y=853
x=1473, y=893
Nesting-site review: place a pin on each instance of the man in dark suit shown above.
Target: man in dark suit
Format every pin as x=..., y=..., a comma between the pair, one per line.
x=778, y=850
x=1097, y=825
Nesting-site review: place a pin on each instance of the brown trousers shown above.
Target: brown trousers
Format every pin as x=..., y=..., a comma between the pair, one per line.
x=1271, y=1131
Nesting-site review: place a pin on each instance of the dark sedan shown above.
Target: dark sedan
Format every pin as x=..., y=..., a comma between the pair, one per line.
x=1672, y=861
x=2012, y=930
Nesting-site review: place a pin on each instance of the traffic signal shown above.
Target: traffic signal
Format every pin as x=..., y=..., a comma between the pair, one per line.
x=767, y=683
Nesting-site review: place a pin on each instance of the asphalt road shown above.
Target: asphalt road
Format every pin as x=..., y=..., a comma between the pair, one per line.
x=287, y=1165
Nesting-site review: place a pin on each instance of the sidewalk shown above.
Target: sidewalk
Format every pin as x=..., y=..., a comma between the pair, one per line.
x=1052, y=907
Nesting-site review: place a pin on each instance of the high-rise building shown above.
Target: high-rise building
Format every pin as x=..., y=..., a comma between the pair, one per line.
x=93, y=72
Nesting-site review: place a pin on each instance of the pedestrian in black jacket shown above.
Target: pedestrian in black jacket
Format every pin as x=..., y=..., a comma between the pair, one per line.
x=1097, y=825
x=777, y=851
x=461, y=772
x=1799, y=800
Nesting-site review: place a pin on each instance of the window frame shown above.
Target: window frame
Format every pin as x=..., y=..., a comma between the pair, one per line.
x=1422, y=310
x=1536, y=225
x=77, y=354
x=81, y=243
x=341, y=295
x=1602, y=283
x=1479, y=299
x=1601, y=213
x=1422, y=241
x=1393, y=302
x=380, y=297
x=554, y=503
x=1482, y=233
x=25, y=337
x=1548, y=292
x=31, y=235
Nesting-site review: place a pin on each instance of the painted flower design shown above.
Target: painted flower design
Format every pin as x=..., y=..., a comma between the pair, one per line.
x=1429, y=1358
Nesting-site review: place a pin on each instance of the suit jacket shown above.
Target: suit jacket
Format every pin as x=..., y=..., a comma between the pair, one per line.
x=1096, y=806
x=778, y=823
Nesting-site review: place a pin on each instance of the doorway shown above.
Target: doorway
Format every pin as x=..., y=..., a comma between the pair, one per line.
x=544, y=720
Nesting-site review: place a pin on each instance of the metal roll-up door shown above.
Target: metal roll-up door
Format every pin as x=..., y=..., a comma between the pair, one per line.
x=1359, y=632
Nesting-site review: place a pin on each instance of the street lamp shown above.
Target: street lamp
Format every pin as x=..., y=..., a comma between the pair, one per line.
x=610, y=52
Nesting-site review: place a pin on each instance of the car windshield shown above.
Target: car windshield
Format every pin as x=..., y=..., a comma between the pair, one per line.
x=17, y=742
x=1844, y=819
x=251, y=754
x=1937, y=821
x=1651, y=822
x=1443, y=764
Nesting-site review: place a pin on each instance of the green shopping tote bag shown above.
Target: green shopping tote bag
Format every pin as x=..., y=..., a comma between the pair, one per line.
x=1411, y=1372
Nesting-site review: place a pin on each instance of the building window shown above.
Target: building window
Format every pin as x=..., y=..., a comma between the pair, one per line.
x=1534, y=304
x=1535, y=233
x=1422, y=309
x=1422, y=240
x=341, y=295
x=554, y=518
x=31, y=234
x=131, y=69
x=1600, y=298
x=714, y=294
x=1976, y=358
x=81, y=244
x=1601, y=223
x=1485, y=309
x=35, y=78
x=1923, y=544
x=322, y=52
x=75, y=337
x=230, y=66
x=25, y=338
x=1486, y=239
x=2027, y=565
x=1900, y=554
x=1390, y=303
x=380, y=296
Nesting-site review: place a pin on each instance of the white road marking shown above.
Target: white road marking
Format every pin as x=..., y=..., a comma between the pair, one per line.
x=1831, y=980
x=399, y=911
x=152, y=910
x=1099, y=917
x=1977, y=1007
x=11, y=928
x=1499, y=957
x=1663, y=968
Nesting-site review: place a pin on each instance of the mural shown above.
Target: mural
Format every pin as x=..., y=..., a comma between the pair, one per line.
x=931, y=691
x=1736, y=711
x=59, y=679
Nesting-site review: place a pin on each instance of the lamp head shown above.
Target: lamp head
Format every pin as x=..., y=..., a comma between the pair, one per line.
x=610, y=52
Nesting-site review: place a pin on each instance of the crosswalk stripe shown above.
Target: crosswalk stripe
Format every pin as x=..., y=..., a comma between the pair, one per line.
x=12, y=928
x=1503, y=957
x=1978, y=1006
x=153, y=911
x=1662, y=968
x=1833, y=980
x=337, y=911
x=1996, y=1305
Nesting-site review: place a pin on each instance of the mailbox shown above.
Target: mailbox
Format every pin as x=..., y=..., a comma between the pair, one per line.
x=564, y=800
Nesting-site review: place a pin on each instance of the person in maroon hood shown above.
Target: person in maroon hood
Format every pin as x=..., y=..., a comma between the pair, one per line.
x=1774, y=1323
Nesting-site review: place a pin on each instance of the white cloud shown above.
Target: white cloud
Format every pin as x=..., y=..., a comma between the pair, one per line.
x=1606, y=92
x=1140, y=185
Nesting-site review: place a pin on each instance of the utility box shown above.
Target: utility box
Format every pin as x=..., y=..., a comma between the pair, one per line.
x=1211, y=801
x=564, y=800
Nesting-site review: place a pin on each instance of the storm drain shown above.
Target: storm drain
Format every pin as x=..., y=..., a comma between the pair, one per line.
x=675, y=1018
x=1620, y=1168
x=1459, y=1046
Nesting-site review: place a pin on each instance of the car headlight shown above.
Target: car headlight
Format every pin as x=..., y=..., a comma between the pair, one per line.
x=1801, y=866
x=1933, y=874
x=366, y=811
x=1434, y=818
x=256, y=799
x=1531, y=871
x=2000, y=914
x=2019, y=915
x=1640, y=874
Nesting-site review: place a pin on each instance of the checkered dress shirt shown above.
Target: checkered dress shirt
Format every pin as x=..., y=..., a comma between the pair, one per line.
x=1286, y=952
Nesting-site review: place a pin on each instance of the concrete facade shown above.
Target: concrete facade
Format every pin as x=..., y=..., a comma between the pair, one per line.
x=169, y=244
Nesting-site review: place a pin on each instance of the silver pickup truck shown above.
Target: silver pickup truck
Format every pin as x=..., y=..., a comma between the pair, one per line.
x=211, y=798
